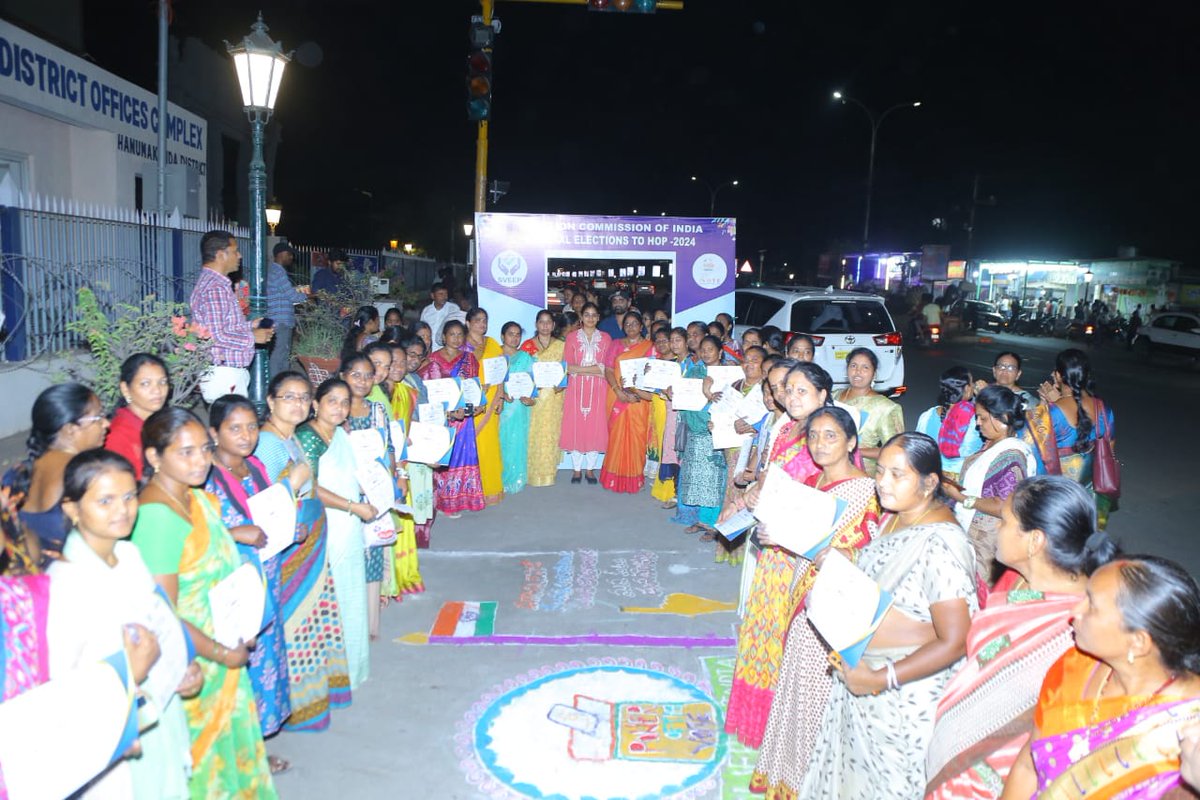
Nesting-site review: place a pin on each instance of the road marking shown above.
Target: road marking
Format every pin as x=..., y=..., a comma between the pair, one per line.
x=606, y=639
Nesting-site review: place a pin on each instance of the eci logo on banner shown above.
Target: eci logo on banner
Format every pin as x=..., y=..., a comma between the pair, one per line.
x=509, y=269
x=709, y=271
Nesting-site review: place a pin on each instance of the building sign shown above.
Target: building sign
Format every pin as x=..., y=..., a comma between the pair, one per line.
x=38, y=76
x=515, y=249
x=956, y=270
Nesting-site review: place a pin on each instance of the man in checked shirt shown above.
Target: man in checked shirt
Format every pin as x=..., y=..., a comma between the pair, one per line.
x=215, y=306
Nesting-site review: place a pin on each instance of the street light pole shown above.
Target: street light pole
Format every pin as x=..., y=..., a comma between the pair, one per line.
x=876, y=121
x=712, y=192
x=260, y=64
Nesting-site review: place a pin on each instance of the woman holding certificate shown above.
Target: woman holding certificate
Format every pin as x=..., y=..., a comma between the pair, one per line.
x=802, y=688
x=457, y=487
x=318, y=677
x=514, y=415
x=189, y=551
x=701, y=469
x=1113, y=710
x=331, y=456
x=546, y=416
x=737, y=459
x=885, y=418
x=666, y=422
x=1048, y=538
x=487, y=427
x=624, y=468
x=235, y=477
x=417, y=488
x=770, y=604
x=879, y=720
x=588, y=353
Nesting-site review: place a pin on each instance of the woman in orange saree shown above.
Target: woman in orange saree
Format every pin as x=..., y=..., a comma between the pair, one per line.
x=629, y=414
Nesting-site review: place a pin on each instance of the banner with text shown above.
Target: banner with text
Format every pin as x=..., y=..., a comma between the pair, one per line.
x=514, y=252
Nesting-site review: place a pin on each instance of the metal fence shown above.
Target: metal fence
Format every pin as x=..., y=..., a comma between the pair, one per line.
x=49, y=249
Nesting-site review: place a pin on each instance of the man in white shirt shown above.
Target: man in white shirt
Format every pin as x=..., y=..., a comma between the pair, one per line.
x=932, y=311
x=440, y=311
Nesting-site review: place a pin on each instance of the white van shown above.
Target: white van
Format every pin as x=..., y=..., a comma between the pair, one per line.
x=837, y=321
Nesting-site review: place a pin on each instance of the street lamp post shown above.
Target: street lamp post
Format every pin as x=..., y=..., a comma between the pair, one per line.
x=468, y=229
x=712, y=192
x=876, y=121
x=260, y=63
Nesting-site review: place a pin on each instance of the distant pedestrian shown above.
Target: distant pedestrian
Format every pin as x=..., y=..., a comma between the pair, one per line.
x=282, y=299
x=613, y=324
x=440, y=311
x=331, y=279
x=215, y=307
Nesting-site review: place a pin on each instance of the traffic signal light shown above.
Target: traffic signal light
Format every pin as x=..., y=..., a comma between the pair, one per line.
x=632, y=6
x=479, y=72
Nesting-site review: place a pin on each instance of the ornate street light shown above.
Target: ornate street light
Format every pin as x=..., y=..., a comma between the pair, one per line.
x=274, y=214
x=260, y=63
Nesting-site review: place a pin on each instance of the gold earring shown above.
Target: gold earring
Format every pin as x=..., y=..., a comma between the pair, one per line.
x=1129, y=655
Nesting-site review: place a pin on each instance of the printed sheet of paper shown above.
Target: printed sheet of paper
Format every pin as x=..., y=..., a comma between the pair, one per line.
x=660, y=374
x=549, y=374
x=797, y=517
x=723, y=376
x=737, y=523
x=751, y=407
x=724, y=432
x=494, y=370
x=431, y=413
x=274, y=510
x=376, y=485
x=399, y=437
x=445, y=391
x=237, y=604
x=631, y=370
x=520, y=384
x=368, y=445
x=428, y=443
x=472, y=392
x=846, y=606
x=688, y=395
x=168, y=671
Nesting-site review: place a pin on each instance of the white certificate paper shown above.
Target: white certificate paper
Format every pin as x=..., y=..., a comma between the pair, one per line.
x=797, y=517
x=237, y=604
x=631, y=371
x=548, y=374
x=368, y=445
x=736, y=524
x=431, y=413
x=376, y=484
x=688, y=395
x=519, y=384
x=724, y=376
x=494, y=370
x=445, y=391
x=428, y=443
x=660, y=374
x=846, y=606
x=724, y=434
x=472, y=392
x=274, y=510
x=751, y=408
x=168, y=671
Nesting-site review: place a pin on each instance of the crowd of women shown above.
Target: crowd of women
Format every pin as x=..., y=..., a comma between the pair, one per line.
x=1022, y=653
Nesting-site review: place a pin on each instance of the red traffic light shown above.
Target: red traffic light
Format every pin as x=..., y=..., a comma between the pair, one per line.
x=479, y=63
x=623, y=6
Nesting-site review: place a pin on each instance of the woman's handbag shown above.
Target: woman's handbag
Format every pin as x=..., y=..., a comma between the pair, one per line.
x=1106, y=470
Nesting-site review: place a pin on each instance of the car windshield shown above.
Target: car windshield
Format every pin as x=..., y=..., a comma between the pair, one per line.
x=840, y=316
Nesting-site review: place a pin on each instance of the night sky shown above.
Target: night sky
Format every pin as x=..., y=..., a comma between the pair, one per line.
x=1081, y=123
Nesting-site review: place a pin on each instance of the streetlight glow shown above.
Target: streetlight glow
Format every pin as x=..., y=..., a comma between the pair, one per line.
x=274, y=214
x=917, y=104
x=837, y=95
x=468, y=229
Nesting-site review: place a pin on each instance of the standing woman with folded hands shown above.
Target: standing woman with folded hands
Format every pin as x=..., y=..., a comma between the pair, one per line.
x=546, y=415
x=514, y=414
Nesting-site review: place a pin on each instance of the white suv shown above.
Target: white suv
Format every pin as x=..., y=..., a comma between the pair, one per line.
x=1170, y=332
x=837, y=321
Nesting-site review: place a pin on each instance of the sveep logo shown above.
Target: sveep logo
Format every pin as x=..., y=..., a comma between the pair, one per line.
x=509, y=269
x=709, y=271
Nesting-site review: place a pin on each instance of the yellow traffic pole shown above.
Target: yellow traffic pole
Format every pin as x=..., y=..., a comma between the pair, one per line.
x=481, y=140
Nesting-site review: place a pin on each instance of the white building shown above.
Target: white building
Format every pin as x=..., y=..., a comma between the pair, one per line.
x=70, y=129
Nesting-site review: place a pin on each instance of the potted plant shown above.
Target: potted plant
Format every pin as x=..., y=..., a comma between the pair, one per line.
x=321, y=325
x=157, y=327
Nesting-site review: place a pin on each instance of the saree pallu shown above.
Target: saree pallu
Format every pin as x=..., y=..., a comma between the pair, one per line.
x=228, y=755
x=930, y=424
x=458, y=486
x=624, y=465
x=885, y=419
x=514, y=431
x=487, y=435
x=781, y=582
x=545, y=421
x=333, y=466
x=986, y=714
x=662, y=448
x=992, y=473
x=1134, y=756
x=405, y=566
x=1053, y=439
x=318, y=676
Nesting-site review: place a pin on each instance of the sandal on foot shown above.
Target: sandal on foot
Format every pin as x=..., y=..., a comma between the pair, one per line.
x=576, y=478
x=278, y=765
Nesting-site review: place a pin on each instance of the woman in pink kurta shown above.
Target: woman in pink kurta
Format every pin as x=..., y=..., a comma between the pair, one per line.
x=589, y=353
